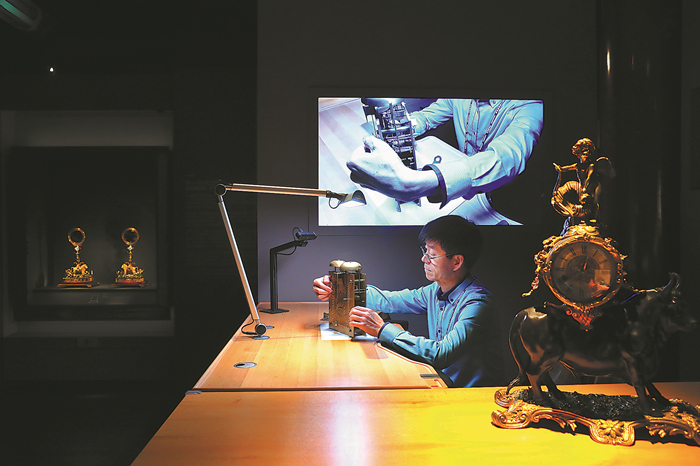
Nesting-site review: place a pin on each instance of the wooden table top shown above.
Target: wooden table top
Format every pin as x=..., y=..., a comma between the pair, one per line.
x=385, y=427
x=296, y=357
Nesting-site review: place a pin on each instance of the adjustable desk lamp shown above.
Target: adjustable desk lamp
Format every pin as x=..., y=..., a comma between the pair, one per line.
x=302, y=238
x=221, y=189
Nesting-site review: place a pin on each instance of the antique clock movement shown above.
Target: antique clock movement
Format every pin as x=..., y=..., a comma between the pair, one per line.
x=582, y=268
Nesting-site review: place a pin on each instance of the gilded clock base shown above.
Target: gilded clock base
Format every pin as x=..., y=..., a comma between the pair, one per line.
x=610, y=420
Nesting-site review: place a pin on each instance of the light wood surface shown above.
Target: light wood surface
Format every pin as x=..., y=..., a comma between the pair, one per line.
x=386, y=427
x=295, y=357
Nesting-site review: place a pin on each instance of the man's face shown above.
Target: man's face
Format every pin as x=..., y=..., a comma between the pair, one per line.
x=439, y=268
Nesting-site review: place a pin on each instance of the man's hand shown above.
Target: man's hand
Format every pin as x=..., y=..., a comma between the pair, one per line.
x=382, y=170
x=322, y=288
x=366, y=320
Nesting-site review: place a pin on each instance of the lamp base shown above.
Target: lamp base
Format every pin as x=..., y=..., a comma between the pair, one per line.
x=274, y=311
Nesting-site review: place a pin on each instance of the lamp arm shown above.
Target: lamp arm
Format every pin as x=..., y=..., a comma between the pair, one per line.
x=292, y=244
x=342, y=198
x=260, y=328
x=254, y=188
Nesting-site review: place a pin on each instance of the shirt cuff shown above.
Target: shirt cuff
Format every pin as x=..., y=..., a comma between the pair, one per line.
x=440, y=194
x=380, y=330
x=388, y=333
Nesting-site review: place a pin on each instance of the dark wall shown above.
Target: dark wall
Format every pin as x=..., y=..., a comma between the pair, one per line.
x=214, y=124
x=690, y=199
x=640, y=55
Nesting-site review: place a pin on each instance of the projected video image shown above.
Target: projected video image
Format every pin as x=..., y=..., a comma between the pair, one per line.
x=418, y=159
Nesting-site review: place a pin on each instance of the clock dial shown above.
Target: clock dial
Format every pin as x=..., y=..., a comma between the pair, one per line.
x=583, y=272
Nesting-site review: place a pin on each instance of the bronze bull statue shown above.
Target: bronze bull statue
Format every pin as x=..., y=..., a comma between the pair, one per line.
x=623, y=342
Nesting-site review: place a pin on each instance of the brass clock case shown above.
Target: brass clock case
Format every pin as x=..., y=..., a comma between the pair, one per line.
x=583, y=271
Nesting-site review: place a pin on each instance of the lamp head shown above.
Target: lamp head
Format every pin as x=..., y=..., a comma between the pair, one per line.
x=302, y=235
x=358, y=197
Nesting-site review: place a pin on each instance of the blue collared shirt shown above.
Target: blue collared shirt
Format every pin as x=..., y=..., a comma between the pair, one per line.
x=464, y=331
x=497, y=137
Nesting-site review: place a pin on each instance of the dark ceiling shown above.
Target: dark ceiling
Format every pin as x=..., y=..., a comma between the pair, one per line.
x=132, y=36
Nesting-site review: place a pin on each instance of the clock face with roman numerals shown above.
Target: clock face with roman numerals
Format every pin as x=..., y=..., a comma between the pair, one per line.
x=584, y=272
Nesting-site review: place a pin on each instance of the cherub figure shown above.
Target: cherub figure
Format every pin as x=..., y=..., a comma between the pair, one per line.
x=580, y=199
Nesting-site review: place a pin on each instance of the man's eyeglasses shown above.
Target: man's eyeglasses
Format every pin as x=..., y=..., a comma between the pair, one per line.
x=431, y=258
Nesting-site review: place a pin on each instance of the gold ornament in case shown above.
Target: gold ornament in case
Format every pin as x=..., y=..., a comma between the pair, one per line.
x=79, y=275
x=129, y=274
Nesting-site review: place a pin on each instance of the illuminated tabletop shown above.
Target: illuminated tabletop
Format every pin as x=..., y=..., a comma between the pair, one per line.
x=384, y=427
x=299, y=355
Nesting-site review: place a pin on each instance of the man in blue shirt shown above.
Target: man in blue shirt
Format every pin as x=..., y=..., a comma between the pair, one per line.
x=496, y=136
x=463, y=326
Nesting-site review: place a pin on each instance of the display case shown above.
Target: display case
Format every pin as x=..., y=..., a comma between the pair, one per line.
x=69, y=212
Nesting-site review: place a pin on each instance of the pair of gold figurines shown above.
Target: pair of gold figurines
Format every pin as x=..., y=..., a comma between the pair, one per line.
x=80, y=275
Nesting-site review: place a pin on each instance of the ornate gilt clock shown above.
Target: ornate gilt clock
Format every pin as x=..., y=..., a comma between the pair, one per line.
x=583, y=269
